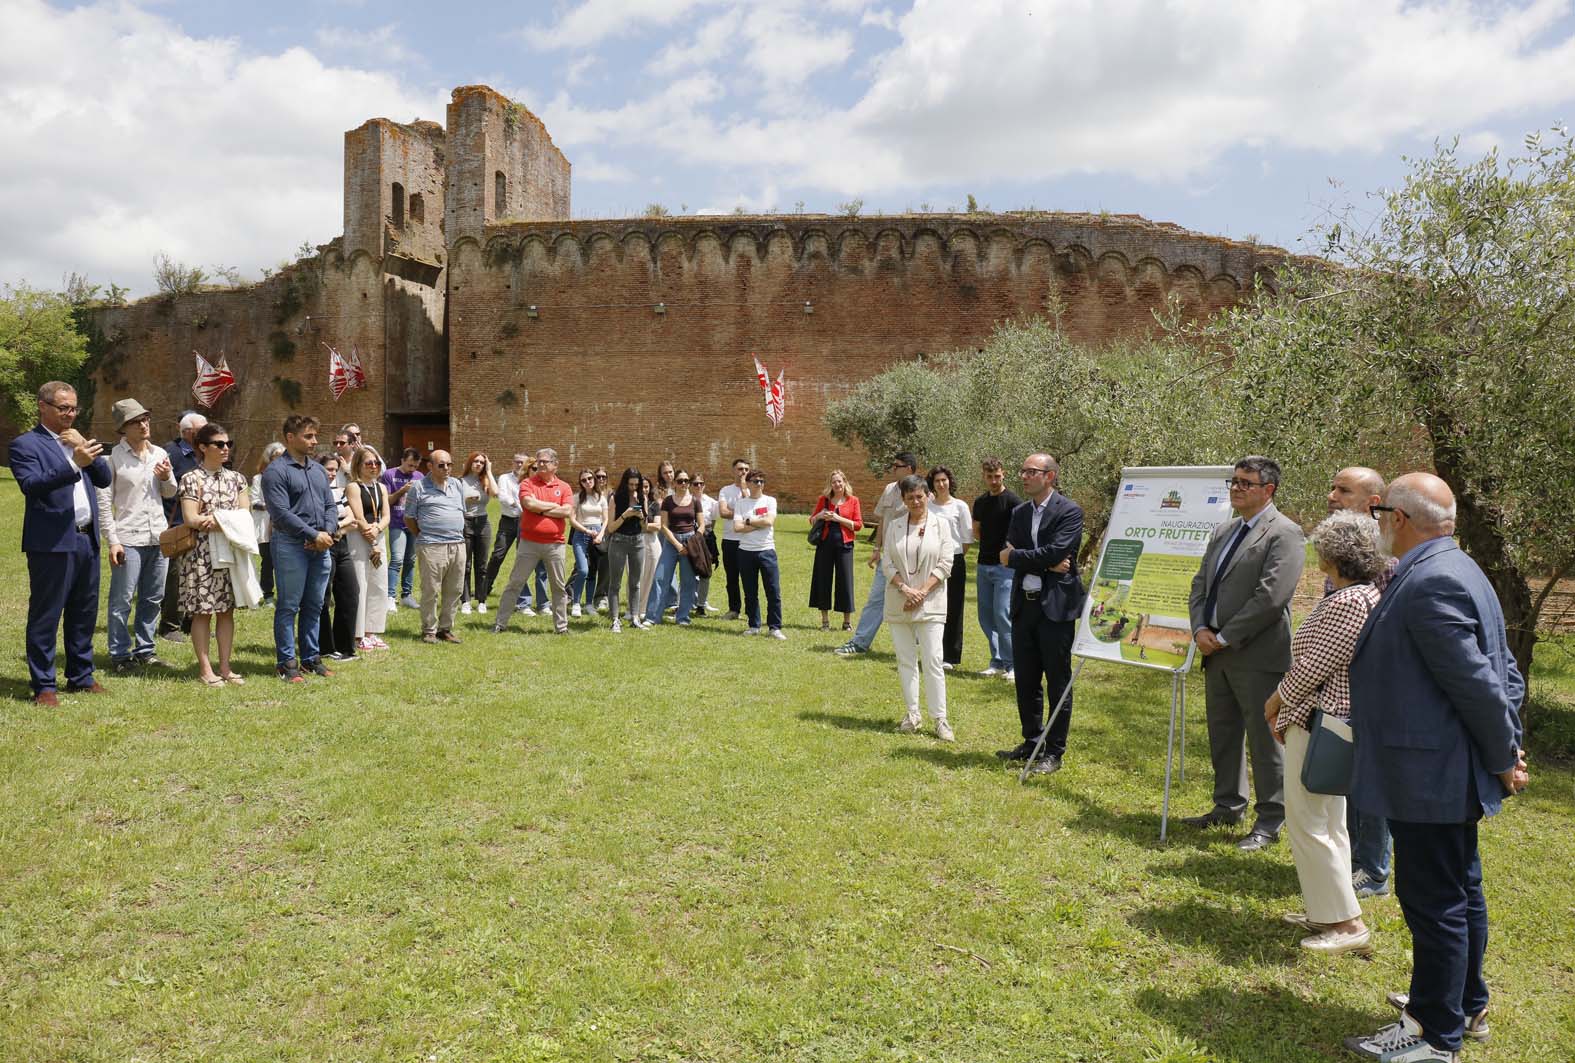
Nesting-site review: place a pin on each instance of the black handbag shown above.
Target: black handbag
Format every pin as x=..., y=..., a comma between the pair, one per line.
x=1331, y=755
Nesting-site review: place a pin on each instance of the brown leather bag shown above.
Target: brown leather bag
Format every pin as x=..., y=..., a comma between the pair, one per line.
x=173, y=542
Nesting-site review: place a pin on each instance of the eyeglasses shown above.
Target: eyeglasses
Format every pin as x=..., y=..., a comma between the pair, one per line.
x=757, y=479
x=225, y=443
x=444, y=464
x=587, y=479
x=601, y=476
x=699, y=483
x=1029, y=470
x=1244, y=485
x=1373, y=511
x=63, y=409
x=683, y=479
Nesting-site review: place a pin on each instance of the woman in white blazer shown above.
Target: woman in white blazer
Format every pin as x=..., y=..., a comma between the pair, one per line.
x=916, y=555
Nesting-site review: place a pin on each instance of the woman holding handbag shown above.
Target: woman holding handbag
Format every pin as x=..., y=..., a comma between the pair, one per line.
x=369, y=513
x=835, y=522
x=1319, y=682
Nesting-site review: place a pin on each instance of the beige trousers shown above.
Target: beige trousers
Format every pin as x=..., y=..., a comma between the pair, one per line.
x=1320, y=845
x=526, y=556
x=371, y=615
x=918, y=649
x=442, y=578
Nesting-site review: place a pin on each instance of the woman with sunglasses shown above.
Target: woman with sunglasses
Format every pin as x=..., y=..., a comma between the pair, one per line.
x=479, y=487
x=205, y=591
x=680, y=521
x=369, y=508
x=599, y=542
x=624, y=546
x=586, y=521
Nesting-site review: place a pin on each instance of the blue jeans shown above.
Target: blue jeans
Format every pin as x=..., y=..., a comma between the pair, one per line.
x=300, y=579
x=401, y=562
x=755, y=566
x=874, y=610
x=584, y=577
x=525, y=601
x=994, y=583
x=144, y=573
x=661, y=589
x=1369, y=842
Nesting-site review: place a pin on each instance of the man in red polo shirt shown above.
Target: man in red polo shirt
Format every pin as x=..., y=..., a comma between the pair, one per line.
x=545, y=505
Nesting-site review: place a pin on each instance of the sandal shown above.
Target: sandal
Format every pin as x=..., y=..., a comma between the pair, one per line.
x=825, y=625
x=211, y=680
x=234, y=680
x=846, y=626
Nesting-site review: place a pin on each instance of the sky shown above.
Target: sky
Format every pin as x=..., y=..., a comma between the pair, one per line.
x=213, y=131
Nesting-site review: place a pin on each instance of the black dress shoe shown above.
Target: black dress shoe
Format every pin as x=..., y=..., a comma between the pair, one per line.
x=1258, y=839
x=1048, y=764
x=1022, y=752
x=1212, y=818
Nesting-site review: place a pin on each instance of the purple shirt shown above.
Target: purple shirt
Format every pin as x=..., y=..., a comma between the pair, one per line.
x=394, y=479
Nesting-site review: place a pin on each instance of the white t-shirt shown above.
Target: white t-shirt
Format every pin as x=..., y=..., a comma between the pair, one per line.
x=756, y=539
x=959, y=516
x=730, y=494
x=711, y=508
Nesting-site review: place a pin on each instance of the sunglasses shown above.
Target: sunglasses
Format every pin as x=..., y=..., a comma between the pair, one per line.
x=224, y=443
x=683, y=479
x=587, y=479
x=444, y=464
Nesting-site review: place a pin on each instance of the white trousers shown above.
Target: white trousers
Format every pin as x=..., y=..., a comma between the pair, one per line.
x=918, y=647
x=1320, y=844
x=371, y=615
x=652, y=542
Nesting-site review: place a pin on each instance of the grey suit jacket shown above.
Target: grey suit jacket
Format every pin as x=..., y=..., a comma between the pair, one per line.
x=1254, y=603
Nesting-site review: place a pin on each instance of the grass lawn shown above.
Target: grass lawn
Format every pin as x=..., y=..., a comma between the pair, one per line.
x=669, y=845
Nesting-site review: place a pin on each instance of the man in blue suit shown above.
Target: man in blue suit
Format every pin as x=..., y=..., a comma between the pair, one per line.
x=1435, y=708
x=1042, y=539
x=57, y=471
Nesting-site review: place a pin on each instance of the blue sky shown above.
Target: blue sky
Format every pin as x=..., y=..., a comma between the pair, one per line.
x=212, y=131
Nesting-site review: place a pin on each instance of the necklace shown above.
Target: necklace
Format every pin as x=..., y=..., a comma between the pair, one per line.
x=913, y=561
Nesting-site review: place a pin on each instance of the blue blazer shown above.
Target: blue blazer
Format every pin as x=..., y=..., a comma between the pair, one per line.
x=1435, y=694
x=47, y=477
x=1060, y=535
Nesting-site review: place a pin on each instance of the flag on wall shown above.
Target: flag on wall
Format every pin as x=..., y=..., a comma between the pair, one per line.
x=212, y=380
x=344, y=372
x=774, y=391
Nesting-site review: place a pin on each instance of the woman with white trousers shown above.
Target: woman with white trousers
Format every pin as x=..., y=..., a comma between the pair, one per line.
x=916, y=556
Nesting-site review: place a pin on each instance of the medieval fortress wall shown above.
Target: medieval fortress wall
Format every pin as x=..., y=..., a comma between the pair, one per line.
x=474, y=302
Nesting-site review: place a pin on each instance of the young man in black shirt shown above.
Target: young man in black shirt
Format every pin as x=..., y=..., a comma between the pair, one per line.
x=991, y=513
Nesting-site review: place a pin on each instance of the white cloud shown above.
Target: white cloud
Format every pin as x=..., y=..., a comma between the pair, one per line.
x=384, y=45
x=125, y=137
x=593, y=21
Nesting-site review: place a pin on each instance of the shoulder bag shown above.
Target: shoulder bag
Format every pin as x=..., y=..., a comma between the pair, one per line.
x=1331, y=755
x=173, y=542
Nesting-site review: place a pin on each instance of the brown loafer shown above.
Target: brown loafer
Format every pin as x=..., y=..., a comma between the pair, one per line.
x=448, y=636
x=96, y=688
x=47, y=698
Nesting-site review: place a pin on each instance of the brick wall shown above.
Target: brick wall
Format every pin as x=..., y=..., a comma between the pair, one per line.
x=602, y=377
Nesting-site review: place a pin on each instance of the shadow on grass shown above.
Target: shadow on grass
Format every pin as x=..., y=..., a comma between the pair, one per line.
x=1237, y=940
x=850, y=723
x=1233, y=1023
x=1140, y=828
x=948, y=757
x=1232, y=871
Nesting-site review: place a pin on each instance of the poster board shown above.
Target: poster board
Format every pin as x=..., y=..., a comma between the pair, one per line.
x=1159, y=528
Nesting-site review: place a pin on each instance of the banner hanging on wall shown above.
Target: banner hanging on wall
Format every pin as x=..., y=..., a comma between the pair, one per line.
x=1137, y=598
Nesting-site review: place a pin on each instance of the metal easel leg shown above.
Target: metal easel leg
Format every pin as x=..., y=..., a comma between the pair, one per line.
x=1170, y=753
x=1045, y=733
x=1182, y=764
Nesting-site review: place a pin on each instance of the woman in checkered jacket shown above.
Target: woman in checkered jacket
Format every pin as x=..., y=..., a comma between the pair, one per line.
x=1348, y=553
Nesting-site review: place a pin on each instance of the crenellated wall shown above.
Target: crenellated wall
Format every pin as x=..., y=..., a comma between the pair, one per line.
x=604, y=378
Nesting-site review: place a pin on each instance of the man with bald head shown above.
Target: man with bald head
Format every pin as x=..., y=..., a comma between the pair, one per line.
x=435, y=515
x=1357, y=489
x=1435, y=707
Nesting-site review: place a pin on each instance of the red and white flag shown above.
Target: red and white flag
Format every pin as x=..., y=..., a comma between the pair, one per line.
x=344, y=372
x=212, y=380
x=760, y=376
x=776, y=399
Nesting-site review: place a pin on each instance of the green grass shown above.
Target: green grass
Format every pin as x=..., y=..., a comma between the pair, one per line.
x=673, y=845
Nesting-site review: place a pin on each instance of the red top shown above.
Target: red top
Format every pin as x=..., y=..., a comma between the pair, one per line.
x=849, y=508
x=534, y=526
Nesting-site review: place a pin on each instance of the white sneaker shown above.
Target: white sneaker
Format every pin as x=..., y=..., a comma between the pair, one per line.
x=576, y=610
x=481, y=607
x=992, y=670
x=751, y=631
x=601, y=605
x=1009, y=675
x=1476, y=1025
x=464, y=607
x=778, y=634
x=1400, y=1042
x=943, y=731
x=947, y=666
x=393, y=604
x=409, y=602
x=616, y=627
x=1333, y=942
x=526, y=610
x=909, y=723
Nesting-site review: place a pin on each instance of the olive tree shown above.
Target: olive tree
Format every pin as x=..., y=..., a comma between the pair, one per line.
x=39, y=342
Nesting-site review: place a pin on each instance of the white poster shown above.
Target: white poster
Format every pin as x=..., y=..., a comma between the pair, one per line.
x=1137, y=598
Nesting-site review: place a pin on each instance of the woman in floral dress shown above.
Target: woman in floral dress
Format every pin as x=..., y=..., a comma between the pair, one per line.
x=204, y=592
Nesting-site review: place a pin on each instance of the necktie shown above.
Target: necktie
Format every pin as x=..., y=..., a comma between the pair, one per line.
x=1212, y=599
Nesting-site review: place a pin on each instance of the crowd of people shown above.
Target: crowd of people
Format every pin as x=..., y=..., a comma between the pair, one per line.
x=1406, y=652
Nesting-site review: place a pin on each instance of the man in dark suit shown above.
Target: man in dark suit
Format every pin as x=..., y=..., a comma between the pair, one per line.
x=1042, y=540
x=1435, y=707
x=1240, y=609
x=57, y=471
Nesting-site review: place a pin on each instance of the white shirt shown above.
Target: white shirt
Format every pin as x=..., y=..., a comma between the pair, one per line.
x=131, y=508
x=509, y=494
x=710, y=508
x=1031, y=581
x=958, y=517
x=79, y=495
x=731, y=495
x=756, y=539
